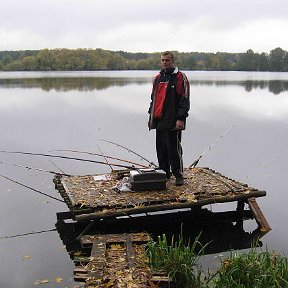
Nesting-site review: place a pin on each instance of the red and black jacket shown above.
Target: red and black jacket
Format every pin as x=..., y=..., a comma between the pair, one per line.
x=169, y=99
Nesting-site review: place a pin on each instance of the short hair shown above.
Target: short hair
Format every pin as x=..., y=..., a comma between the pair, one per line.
x=168, y=53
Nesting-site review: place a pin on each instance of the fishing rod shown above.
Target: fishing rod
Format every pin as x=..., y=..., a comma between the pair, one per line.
x=70, y=158
x=104, y=156
x=194, y=164
x=27, y=233
x=129, y=150
x=35, y=190
x=62, y=172
x=32, y=168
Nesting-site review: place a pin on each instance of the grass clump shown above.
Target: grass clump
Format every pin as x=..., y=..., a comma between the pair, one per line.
x=253, y=269
x=178, y=260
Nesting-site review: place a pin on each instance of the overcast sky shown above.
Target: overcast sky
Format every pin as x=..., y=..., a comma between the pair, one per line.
x=145, y=25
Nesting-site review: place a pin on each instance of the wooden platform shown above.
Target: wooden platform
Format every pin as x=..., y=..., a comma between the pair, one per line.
x=116, y=260
x=90, y=199
x=112, y=256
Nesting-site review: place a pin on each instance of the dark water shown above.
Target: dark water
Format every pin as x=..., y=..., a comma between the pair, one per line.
x=42, y=112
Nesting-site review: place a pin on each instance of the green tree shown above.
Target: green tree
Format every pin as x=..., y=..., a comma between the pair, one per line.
x=277, y=59
x=44, y=58
x=14, y=66
x=116, y=62
x=213, y=62
x=99, y=59
x=29, y=63
x=6, y=59
x=248, y=61
x=263, y=63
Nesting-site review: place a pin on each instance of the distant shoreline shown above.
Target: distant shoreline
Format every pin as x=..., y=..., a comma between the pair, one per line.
x=105, y=60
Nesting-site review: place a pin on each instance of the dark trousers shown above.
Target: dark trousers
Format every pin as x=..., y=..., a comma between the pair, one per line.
x=169, y=151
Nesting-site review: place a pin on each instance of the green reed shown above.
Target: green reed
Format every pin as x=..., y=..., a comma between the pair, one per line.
x=179, y=260
x=255, y=269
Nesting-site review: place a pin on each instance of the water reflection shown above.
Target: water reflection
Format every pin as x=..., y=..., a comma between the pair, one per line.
x=83, y=84
x=254, y=152
x=273, y=86
x=220, y=232
x=69, y=84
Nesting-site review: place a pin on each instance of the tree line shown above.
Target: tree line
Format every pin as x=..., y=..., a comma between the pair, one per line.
x=100, y=59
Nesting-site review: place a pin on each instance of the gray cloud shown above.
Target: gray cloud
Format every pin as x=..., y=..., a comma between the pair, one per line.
x=205, y=25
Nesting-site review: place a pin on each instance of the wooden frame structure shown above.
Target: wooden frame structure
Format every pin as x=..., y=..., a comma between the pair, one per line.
x=94, y=197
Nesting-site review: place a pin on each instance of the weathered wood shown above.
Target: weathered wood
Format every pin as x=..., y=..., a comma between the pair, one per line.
x=259, y=216
x=96, y=265
x=161, y=280
x=163, y=207
x=129, y=252
x=117, y=261
x=64, y=215
x=80, y=277
x=89, y=198
x=141, y=237
x=82, y=259
x=80, y=270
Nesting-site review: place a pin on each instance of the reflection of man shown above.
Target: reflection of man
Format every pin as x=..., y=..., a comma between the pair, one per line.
x=168, y=111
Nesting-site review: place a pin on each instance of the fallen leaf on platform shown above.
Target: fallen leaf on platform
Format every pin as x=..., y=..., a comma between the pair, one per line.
x=111, y=283
x=26, y=257
x=191, y=198
x=116, y=246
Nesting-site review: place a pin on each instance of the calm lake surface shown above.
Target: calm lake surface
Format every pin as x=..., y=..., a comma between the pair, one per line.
x=46, y=111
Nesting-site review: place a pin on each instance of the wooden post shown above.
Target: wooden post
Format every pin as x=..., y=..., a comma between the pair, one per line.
x=259, y=217
x=240, y=213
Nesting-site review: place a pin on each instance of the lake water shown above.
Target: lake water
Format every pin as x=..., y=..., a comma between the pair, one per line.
x=46, y=111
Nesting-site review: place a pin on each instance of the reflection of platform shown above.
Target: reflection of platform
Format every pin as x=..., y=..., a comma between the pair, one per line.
x=90, y=199
x=221, y=231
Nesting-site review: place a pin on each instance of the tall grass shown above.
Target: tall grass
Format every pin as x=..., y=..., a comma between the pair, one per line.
x=179, y=260
x=253, y=269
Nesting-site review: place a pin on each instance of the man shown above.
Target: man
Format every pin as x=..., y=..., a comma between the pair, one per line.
x=168, y=112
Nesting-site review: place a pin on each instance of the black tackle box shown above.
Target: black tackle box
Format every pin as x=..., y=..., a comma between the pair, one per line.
x=148, y=179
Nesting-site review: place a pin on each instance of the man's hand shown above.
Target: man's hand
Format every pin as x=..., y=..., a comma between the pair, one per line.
x=179, y=125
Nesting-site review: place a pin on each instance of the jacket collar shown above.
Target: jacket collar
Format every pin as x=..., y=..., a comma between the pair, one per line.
x=172, y=70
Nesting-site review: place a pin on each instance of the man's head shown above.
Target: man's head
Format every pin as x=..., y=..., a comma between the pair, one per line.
x=167, y=59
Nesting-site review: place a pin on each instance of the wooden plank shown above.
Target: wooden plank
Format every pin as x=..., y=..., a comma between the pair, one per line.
x=141, y=237
x=81, y=259
x=80, y=273
x=163, y=207
x=129, y=252
x=64, y=215
x=161, y=280
x=80, y=270
x=259, y=216
x=96, y=265
x=116, y=259
x=80, y=277
x=200, y=184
